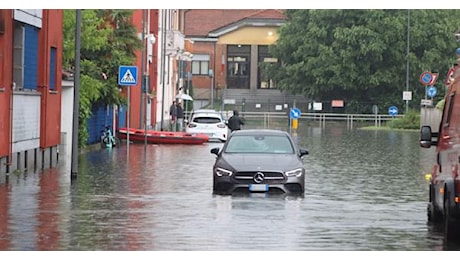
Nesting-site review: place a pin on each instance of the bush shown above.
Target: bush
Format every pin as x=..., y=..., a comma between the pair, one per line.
x=411, y=120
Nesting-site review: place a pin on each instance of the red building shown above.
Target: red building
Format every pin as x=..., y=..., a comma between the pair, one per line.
x=30, y=88
x=143, y=102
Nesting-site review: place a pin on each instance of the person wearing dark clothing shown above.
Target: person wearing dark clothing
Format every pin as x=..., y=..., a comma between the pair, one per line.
x=173, y=115
x=180, y=117
x=235, y=122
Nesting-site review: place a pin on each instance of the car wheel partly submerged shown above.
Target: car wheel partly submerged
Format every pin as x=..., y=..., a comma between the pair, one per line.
x=451, y=231
x=434, y=215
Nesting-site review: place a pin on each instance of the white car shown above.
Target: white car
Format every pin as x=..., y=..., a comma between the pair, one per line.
x=209, y=122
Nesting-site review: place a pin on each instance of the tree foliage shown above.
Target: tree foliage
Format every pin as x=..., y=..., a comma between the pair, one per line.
x=361, y=55
x=108, y=40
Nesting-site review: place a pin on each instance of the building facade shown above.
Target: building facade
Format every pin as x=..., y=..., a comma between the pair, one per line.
x=30, y=88
x=229, y=48
x=143, y=96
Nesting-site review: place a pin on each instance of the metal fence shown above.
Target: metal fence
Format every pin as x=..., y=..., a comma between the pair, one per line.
x=266, y=119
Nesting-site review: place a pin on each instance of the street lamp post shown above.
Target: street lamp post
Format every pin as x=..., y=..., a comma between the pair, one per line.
x=76, y=97
x=211, y=75
x=407, y=57
x=143, y=86
x=182, y=86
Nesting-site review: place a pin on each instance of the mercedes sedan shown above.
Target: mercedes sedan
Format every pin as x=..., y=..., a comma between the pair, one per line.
x=259, y=160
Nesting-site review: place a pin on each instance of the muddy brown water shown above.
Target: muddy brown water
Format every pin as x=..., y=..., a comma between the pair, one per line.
x=365, y=190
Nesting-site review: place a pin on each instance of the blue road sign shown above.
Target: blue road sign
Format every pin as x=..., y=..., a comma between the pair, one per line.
x=393, y=111
x=127, y=75
x=295, y=113
x=431, y=91
x=426, y=78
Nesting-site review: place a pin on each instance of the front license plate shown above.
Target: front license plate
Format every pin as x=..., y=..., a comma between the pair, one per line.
x=258, y=187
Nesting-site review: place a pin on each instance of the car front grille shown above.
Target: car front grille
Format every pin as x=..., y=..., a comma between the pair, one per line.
x=269, y=177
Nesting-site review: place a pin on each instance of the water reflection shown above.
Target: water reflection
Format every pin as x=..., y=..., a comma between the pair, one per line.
x=365, y=190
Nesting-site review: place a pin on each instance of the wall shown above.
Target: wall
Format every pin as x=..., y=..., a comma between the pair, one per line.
x=6, y=74
x=26, y=121
x=67, y=119
x=431, y=116
x=50, y=36
x=251, y=35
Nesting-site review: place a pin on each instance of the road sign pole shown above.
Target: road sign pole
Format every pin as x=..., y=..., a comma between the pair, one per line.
x=127, y=76
x=127, y=121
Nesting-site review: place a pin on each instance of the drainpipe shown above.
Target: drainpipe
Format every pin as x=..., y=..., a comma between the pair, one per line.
x=141, y=114
x=163, y=58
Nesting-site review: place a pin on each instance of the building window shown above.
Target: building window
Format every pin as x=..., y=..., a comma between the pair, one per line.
x=200, y=65
x=25, y=56
x=264, y=81
x=53, y=68
x=238, y=66
x=18, y=54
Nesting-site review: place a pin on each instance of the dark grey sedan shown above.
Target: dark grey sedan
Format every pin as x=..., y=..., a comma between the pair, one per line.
x=259, y=160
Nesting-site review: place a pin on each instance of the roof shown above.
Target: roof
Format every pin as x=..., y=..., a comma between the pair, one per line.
x=205, y=111
x=201, y=22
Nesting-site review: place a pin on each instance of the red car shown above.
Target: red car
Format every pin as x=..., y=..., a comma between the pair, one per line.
x=444, y=194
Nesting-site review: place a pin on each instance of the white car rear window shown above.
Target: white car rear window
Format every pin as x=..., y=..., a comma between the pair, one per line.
x=207, y=120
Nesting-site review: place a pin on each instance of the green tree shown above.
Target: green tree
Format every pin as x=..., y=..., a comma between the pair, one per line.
x=108, y=39
x=360, y=55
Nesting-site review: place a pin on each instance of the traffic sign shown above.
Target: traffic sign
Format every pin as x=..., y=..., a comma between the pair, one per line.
x=295, y=113
x=426, y=78
x=450, y=74
x=407, y=95
x=434, y=77
x=431, y=91
x=127, y=75
x=393, y=111
x=426, y=102
x=375, y=109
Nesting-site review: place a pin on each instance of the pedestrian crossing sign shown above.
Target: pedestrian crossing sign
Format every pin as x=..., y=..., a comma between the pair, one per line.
x=127, y=76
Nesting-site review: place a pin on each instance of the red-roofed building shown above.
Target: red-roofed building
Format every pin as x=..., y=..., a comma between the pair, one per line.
x=231, y=44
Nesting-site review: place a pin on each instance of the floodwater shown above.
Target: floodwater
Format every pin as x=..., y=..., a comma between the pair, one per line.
x=365, y=191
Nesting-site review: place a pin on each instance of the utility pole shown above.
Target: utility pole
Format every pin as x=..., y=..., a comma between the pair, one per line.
x=76, y=98
x=141, y=119
x=163, y=65
x=407, y=57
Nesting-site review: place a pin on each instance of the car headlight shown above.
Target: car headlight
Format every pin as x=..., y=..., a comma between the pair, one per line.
x=296, y=172
x=223, y=172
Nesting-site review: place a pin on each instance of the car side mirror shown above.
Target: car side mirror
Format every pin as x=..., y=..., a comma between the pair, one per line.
x=426, y=137
x=303, y=152
x=215, y=150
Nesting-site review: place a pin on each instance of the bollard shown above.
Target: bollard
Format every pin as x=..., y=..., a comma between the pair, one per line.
x=295, y=123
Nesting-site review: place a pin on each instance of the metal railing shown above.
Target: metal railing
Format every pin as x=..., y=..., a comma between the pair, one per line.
x=321, y=118
x=266, y=119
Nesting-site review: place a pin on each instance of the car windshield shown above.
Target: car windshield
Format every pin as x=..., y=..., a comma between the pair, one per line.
x=259, y=144
x=207, y=120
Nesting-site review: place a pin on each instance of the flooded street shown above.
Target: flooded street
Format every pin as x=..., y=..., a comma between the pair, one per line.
x=365, y=190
